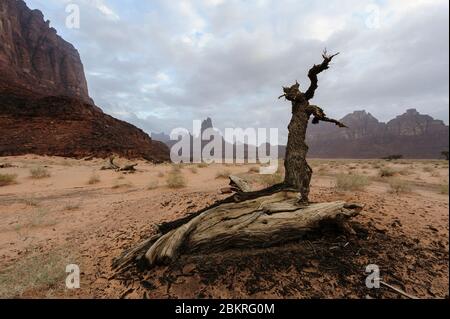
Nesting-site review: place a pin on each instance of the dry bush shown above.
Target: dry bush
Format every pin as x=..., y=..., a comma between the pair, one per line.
x=119, y=185
x=223, y=174
x=31, y=202
x=428, y=169
x=398, y=186
x=175, y=179
x=404, y=172
x=160, y=174
x=254, y=170
x=72, y=206
x=8, y=179
x=387, y=172
x=322, y=170
x=177, y=167
x=39, y=172
x=443, y=189
x=193, y=170
x=202, y=165
x=94, y=179
x=435, y=174
x=38, y=271
x=153, y=185
x=351, y=182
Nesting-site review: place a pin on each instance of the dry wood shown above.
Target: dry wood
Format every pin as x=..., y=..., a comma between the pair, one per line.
x=239, y=185
x=401, y=292
x=260, y=222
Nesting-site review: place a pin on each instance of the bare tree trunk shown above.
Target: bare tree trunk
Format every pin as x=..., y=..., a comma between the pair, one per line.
x=298, y=172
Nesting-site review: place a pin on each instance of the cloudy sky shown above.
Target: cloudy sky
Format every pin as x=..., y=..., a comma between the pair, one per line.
x=161, y=64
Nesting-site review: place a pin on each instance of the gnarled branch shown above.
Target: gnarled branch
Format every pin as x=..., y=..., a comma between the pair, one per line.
x=315, y=71
x=319, y=115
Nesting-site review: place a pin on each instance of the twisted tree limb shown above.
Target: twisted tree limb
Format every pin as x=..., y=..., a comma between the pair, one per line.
x=315, y=71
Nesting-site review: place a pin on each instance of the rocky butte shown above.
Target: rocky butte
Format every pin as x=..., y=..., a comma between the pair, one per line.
x=45, y=107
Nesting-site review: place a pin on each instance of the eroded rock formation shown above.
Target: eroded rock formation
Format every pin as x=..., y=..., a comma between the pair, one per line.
x=45, y=107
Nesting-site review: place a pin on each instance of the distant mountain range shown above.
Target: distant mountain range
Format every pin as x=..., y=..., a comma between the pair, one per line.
x=412, y=135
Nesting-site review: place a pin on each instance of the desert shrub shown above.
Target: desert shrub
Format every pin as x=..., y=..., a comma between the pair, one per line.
x=160, y=174
x=387, y=172
x=443, y=189
x=404, y=172
x=397, y=186
x=72, y=206
x=351, y=182
x=31, y=202
x=193, y=170
x=253, y=170
x=119, y=184
x=153, y=185
x=8, y=179
x=177, y=167
x=202, y=165
x=223, y=174
x=428, y=169
x=435, y=174
x=39, y=172
x=175, y=179
x=94, y=179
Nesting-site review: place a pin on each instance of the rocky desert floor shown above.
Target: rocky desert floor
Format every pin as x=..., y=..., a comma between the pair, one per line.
x=57, y=211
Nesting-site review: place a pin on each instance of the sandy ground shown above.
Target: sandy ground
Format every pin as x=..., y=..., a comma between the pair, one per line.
x=48, y=223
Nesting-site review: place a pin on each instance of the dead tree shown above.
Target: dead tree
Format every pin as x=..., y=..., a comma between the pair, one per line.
x=298, y=172
x=254, y=218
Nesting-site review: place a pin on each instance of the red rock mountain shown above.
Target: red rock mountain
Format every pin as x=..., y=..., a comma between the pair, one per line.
x=412, y=135
x=45, y=107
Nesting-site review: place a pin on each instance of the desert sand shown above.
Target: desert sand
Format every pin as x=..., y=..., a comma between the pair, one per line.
x=75, y=213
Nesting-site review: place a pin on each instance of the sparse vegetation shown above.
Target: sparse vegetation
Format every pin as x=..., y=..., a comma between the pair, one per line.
x=8, y=179
x=31, y=202
x=193, y=170
x=175, y=179
x=351, y=182
x=72, y=206
x=177, y=167
x=94, y=179
x=223, y=174
x=39, y=172
x=122, y=185
x=39, y=271
x=253, y=170
x=443, y=189
x=428, y=169
x=153, y=185
x=202, y=165
x=387, y=172
x=398, y=186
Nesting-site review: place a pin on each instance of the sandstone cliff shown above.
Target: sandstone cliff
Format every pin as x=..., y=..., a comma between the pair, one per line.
x=45, y=107
x=32, y=55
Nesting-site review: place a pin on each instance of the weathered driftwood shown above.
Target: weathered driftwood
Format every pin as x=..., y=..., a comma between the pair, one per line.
x=238, y=184
x=113, y=166
x=261, y=222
